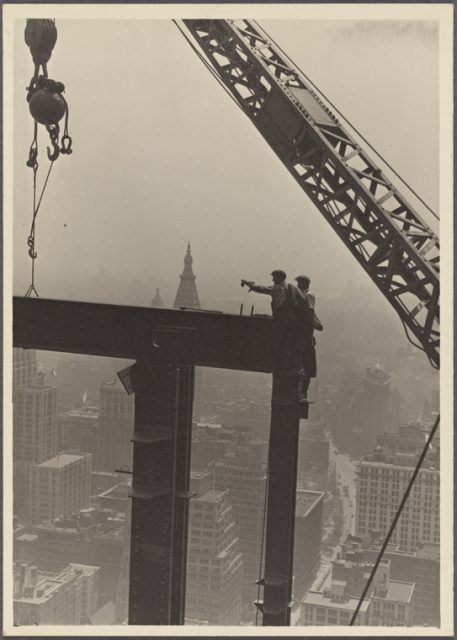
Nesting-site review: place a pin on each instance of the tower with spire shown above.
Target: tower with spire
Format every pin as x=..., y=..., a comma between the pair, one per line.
x=187, y=295
x=157, y=301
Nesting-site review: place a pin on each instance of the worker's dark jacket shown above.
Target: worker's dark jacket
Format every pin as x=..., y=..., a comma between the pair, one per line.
x=308, y=322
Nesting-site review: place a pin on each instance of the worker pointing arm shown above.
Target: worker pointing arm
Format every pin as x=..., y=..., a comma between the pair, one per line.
x=277, y=290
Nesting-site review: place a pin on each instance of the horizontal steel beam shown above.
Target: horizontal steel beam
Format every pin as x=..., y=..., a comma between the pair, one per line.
x=224, y=341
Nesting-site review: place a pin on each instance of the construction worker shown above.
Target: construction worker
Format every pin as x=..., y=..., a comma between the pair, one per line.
x=310, y=322
x=285, y=298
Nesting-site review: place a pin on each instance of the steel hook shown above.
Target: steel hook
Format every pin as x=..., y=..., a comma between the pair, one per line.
x=31, y=244
x=56, y=151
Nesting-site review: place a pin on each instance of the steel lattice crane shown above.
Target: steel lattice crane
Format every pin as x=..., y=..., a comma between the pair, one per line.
x=389, y=239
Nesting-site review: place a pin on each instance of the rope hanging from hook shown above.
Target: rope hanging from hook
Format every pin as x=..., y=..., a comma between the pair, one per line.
x=47, y=106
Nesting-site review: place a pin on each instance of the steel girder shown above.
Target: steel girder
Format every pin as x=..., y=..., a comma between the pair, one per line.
x=227, y=341
x=397, y=249
x=161, y=472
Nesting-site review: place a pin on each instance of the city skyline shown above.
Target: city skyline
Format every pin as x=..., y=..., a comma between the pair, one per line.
x=222, y=449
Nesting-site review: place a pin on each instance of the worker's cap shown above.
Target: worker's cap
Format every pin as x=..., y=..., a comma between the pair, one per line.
x=280, y=273
x=299, y=278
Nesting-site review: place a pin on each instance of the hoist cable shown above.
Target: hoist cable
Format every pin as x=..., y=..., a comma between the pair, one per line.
x=262, y=544
x=31, y=238
x=418, y=346
x=348, y=122
x=396, y=518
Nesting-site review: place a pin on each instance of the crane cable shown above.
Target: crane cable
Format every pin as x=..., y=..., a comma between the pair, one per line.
x=32, y=238
x=395, y=520
x=348, y=122
x=418, y=346
x=262, y=544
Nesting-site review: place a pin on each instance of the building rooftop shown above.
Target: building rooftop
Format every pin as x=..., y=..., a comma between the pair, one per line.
x=208, y=425
x=356, y=544
x=210, y=496
x=428, y=551
x=376, y=375
x=35, y=386
x=62, y=459
x=81, y=412
x=399, y=591
x=317, y=598
x=198, y=475
x=307, y=501
x=104, y=615
x=47, y=582
x=406, y=460
x=27, y=537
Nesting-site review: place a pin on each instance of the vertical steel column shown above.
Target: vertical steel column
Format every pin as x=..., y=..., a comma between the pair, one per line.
x=182, y=457
x=282, y=484
x=162, y=382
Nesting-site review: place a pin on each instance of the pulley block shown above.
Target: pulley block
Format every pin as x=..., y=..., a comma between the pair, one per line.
x=46, y=103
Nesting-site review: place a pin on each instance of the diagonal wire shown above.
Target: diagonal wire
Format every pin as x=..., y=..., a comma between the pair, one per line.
x=262, y=544
x=36, y=208
x=396, y=518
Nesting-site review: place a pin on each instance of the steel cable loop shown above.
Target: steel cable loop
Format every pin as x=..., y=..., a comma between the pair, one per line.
x=350, y=124
x=396, y=518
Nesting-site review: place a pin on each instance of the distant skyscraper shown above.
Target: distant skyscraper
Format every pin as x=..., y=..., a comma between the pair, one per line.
x=308, y=539
x=210, y=443
x=314, y=449
x=382, y=479
x=214, y=567
x=59, y=486
x=34, y=431
x=34, y=423
x=363, y=408
x=78, y=429
x=157, y=301
x=187, y=295
x=376, y=400
x=115, y=428
x=243, y=472
x=24, y=367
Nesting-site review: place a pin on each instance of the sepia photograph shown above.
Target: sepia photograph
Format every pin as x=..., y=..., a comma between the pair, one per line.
x=226, y=409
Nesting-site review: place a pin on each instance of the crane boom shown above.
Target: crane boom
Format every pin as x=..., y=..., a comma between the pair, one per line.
x=389, y=239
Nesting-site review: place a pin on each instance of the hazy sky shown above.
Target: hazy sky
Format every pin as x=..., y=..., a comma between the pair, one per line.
x=162, y=155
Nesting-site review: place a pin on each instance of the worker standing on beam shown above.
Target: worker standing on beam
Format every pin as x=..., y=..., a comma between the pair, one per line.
x=310, y=322
x=286, y=299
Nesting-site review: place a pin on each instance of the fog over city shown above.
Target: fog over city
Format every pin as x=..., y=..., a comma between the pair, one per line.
x=170, y=198
x=162, y=155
